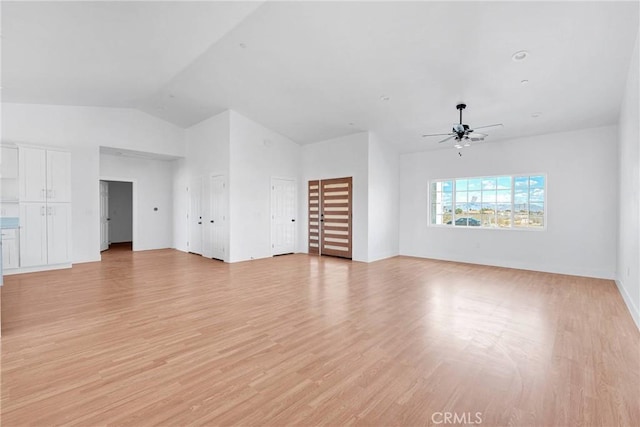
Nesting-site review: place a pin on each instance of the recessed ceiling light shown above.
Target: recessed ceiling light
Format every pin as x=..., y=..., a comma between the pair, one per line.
x=536, y=115
x=171, y=95
x=384, y=98
x=520, y=55
x=351, y=124
x=524, y=82
x=242, y=45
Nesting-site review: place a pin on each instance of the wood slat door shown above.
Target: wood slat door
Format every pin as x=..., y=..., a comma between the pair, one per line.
x=335, y=217
x=330, y=213
x=314, y=217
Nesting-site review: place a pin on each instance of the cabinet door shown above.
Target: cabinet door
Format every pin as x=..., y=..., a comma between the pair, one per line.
x=33, y=234
x=58, y=176
x=58, y=233
x=9, y=250
x=32, y=174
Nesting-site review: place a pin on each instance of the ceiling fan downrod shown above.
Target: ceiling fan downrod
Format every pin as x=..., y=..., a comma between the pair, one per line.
x=461, y=107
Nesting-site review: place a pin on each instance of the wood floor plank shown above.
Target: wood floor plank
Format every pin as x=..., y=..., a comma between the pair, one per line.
x=167, y=338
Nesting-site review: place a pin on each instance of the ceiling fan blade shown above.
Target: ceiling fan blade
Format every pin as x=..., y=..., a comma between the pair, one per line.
x=489, y=126
x=438, y=134
x=446, y=139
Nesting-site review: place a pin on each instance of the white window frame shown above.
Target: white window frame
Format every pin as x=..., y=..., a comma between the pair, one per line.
x=513, y=187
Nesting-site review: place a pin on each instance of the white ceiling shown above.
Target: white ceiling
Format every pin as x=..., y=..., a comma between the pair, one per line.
x=316, y=70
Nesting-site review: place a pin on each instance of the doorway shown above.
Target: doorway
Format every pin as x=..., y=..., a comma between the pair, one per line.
x=207, y=218
x=116, y=215
x=283, y=216
x=330, y=216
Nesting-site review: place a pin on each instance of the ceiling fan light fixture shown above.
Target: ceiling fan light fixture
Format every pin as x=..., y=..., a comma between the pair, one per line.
x=520, y=55
x=458, y=146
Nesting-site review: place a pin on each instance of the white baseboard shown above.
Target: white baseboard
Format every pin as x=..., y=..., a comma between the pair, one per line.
x=635, y=313
x=36, y=269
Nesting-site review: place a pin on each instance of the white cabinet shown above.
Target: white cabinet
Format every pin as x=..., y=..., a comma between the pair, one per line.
x=58, y=176
x=45, y=175
x=33, y=234
x=10, y=252
x=58, y=233
x=33, y=176
x=45, y=229
x=8, y=174
x=45, y=211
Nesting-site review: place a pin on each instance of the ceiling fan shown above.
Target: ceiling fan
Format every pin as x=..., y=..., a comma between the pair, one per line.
x=462, y=134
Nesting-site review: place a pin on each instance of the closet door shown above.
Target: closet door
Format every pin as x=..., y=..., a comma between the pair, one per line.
x=335, y=217
x=283, y=216
x=313, y=219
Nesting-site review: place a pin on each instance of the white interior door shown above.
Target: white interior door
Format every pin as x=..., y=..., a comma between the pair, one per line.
x=104, y=215
x=195, y=217
x=283, y=216
x=218, y=218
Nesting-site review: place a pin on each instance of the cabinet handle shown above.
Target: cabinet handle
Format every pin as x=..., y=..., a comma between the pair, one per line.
x=43, y=193
x=41, y=210
x=50, y=211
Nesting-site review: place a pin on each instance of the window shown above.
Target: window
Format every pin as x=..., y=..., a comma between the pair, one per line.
x=513, y=202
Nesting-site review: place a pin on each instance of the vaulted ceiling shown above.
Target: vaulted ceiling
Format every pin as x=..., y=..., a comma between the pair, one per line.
x=316, y=70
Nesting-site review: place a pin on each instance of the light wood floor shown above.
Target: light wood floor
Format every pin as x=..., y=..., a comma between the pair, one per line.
x=167, y=338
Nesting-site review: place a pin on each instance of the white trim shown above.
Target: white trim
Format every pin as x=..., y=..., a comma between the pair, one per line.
x=134, y=204
x=633, y=310
x=36, y=269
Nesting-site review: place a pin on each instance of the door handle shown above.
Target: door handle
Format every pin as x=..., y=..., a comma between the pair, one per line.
x=293, y=220
x=321, y=217
x=199, y=222
x=212, y=221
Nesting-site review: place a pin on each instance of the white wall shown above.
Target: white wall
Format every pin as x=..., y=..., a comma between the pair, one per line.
x=82, y=130
x=257, y=154
x=581, y=170
x=338, y=158
x=120, y=211
x=153, y=182
x=383, y=199
x=180, y=204
x=628, y=268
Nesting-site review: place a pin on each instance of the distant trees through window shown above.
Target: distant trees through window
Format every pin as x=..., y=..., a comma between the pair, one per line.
x=489, y=202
